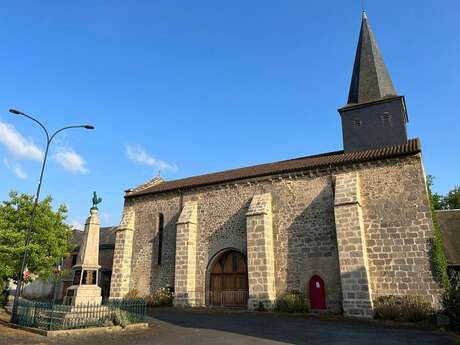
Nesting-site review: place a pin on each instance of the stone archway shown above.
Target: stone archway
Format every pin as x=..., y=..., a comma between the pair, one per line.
x=228, y=281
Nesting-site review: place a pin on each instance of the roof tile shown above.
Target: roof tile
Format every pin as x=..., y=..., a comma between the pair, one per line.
x=310, y=162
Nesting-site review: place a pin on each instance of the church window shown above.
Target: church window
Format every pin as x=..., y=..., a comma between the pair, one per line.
x=386, y=119
x=160, y=237
x=357, y=123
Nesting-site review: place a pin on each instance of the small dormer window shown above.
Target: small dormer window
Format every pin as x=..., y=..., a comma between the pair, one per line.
x=386, y=119
x=357, y=123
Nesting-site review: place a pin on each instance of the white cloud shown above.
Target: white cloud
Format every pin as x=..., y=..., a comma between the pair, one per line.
x=15, y=169
x=17, y=144
x=138, y=155
x=70, y=160
x=105, y=216
x=76, y=224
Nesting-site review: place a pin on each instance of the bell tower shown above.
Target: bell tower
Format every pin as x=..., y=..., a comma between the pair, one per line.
x=375, y=115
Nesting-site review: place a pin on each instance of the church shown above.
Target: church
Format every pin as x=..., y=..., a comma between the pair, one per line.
x=342, y=228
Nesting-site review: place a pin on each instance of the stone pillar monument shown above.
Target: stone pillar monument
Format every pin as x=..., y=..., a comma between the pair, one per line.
x=84, y=288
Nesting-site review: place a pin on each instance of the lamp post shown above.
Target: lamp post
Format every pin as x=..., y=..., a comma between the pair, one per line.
x=37, y=195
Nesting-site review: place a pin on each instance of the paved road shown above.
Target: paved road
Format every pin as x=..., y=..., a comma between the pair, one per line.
x=174, y=327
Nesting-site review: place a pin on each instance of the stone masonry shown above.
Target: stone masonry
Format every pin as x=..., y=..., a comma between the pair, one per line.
x=306, y=231
x=398, y=226
x=186, y=228
x=352, y=247
x=261, y=262
x=119, y=285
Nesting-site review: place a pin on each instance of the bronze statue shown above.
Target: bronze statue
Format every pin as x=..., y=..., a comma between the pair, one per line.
x=96, y=201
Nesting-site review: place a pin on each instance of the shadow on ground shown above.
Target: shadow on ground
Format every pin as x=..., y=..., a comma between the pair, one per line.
x=297, y=330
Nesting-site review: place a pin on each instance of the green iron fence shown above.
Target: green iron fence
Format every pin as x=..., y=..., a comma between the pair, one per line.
x=59, y=317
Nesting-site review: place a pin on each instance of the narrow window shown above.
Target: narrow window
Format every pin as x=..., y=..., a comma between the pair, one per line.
x=386, y=119
x=160, y=237
x=357, y=123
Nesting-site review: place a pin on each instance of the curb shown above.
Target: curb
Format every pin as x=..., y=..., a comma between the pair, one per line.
x=77, y=332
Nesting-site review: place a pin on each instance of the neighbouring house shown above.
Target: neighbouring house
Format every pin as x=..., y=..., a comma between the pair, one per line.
x=449, y=222
x=342, y=227
x=106, y=251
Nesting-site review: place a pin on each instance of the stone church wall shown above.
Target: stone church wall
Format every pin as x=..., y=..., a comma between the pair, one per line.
x=146, y=275
x=395, y=217
x=303, y=227
x=398, y=227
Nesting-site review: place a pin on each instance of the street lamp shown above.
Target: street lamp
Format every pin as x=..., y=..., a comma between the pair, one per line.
x=37, y=195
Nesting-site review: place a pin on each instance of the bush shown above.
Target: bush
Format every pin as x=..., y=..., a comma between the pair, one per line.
x=120, y=318
x=163, y=297
x=402, y=308
x=133, y=294
x=291, y=302
x=260, y=307
x=438, y=258
x=451, y=304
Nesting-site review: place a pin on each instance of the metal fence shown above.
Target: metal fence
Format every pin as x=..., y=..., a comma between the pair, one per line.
x=59, y=317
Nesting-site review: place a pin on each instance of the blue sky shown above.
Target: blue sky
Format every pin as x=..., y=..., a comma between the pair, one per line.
x=191, y=87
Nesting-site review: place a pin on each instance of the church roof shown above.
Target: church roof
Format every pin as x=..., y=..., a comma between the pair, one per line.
x=370, y=80
x=330, y=159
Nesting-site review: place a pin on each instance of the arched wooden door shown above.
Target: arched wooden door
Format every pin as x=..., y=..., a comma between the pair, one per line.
x=317, y=293
x=229, y=280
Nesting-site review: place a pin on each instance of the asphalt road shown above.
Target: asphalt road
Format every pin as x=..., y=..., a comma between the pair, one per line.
x=175, y=327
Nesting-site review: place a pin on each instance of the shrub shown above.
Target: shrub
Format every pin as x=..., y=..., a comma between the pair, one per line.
x=402, y=308
x=291, y=302
x=438, y=258
x=451, y=300
x=162, y=297
x=120, y=318
x=133, y=294
x=260, y=307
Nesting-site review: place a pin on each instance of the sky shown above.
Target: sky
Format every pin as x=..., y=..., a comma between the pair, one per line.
x=192, y=87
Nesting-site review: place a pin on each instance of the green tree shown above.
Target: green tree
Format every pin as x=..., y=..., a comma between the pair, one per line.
x=49, y=241
x=435, y=198
x=438, y=257
x=451, y=200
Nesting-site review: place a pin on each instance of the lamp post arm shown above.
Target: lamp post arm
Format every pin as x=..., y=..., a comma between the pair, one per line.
x=62, y=129
x=34, y=209
x=39, y=123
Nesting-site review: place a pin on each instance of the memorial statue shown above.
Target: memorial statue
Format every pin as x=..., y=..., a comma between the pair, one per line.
x=96, y=201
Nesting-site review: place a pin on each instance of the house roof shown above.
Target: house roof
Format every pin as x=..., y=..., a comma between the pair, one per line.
x=106, y=237
x=370, y=79
x=449, y=222
x=309, y=162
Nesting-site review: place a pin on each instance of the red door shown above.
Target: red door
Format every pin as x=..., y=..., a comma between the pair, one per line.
x=317, y=293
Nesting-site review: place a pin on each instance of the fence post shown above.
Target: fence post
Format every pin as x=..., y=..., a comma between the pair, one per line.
x=35, y=314
x=51, y=318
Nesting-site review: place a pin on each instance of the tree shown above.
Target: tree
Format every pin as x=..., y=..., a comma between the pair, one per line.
x=439, y=202
x=49, y=240
x=435, y=198
x=437, y=255
x=451, y=200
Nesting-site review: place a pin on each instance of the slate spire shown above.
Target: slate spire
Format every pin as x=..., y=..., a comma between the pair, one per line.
x=370, y=80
